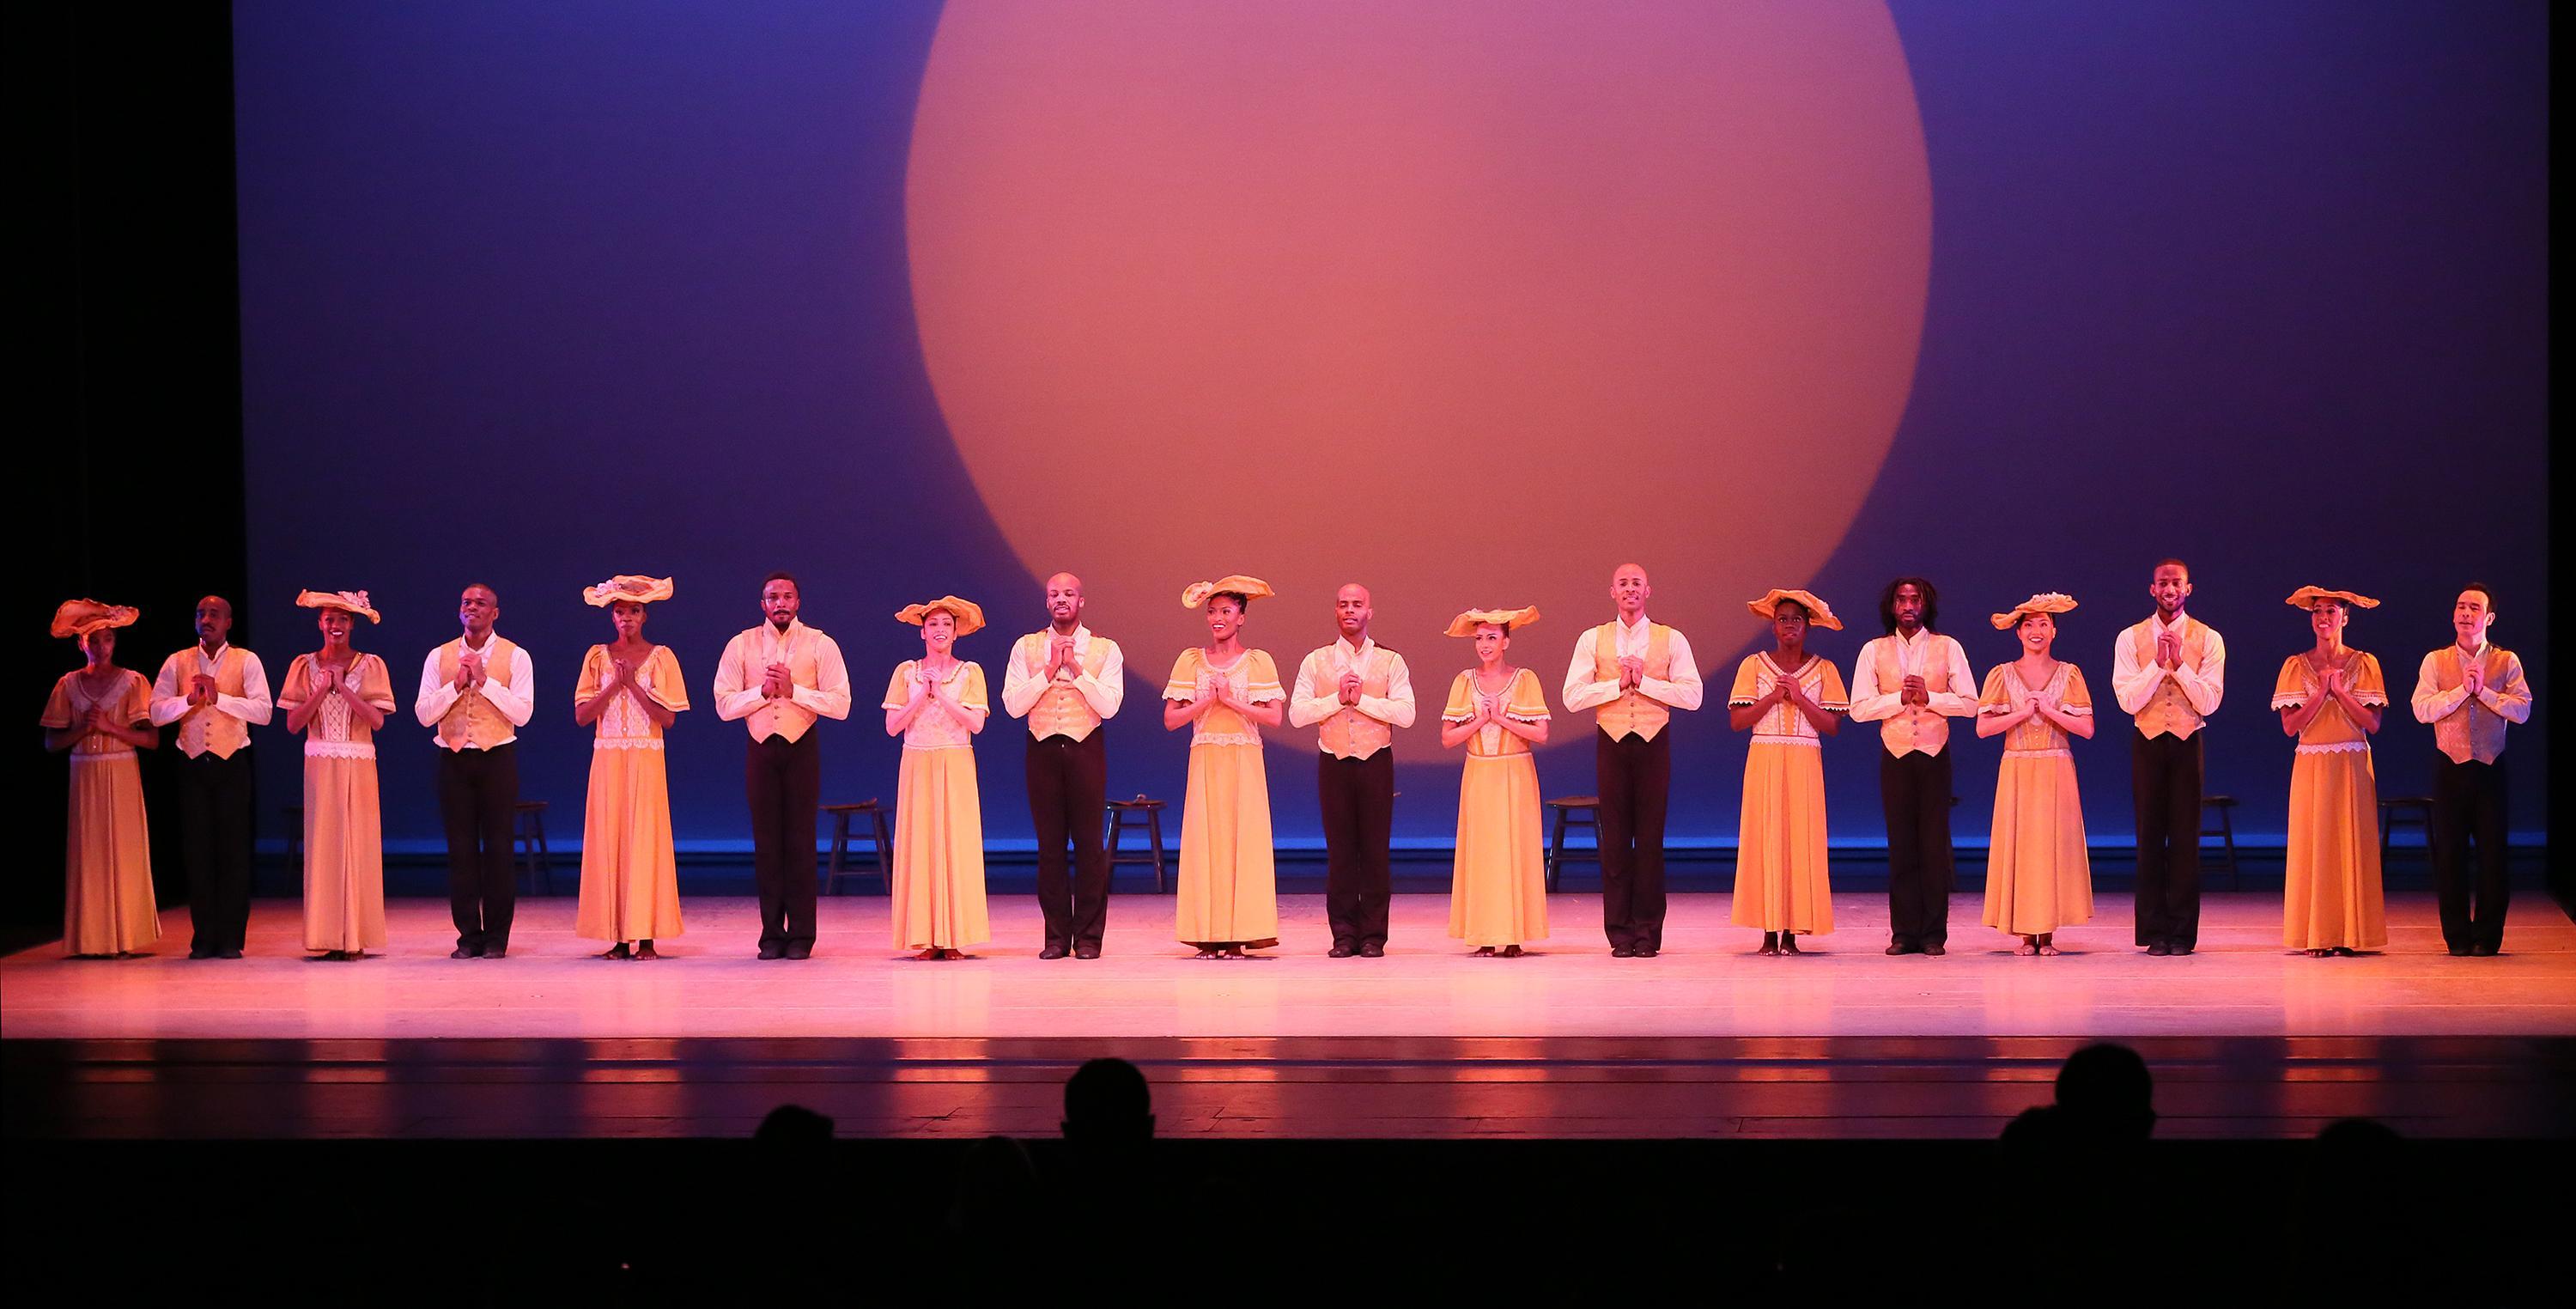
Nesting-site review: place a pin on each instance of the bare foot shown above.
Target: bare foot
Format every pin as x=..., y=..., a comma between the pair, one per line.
x=931, y=953
x=2029, y=945
x=1235, y=952
x=1512, y=952
x=1485, y=952
x=645, y=950
x=1207, y=952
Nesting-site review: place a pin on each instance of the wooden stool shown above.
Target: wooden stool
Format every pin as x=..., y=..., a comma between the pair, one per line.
x=1565, y=810
x=528, y=834
x=2225, y=831
x=1146, y=813
x=2414, y=811
x=839, y=868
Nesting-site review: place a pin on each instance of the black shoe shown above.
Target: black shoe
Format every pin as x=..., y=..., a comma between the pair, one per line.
x=1622, y=951
x=1899, y=947
x=1642, y=952
x=200, y=952
x=228, y=954
x=2459, y=952
x=1086, y=951
x=800, y=949
x=494, y=952
x=773, y=951
x=1372, y=951
x=1340, y=951
x=461, y=952
x=2482, y=949
x=2160, y=949
x=2177, y=948
x=1935, y=949
x=1053, y=951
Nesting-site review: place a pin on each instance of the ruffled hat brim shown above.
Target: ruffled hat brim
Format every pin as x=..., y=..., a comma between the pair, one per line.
x=1819, y=613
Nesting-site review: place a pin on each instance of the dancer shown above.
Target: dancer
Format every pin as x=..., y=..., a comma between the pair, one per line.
x=1790, y=700
x=337, y=698
x=936, y=704
x=1355, y=693
x=1225, y=693
x=630, y=690
x=1498, y=880
x=214, y=690
x=1067, y=680
x=2168, y=674
x=2332, y=698
x=2038, y=875
x=779, y=677
x=1634, y=673
x=1914, y=680
x=2469, y=690
x=476, y=692
x=102, y=714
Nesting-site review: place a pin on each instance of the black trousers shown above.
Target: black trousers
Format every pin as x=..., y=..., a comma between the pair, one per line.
x=215, y=839
x=1068, y=793
x=2164, y=784
x=1914, y=793
x=1635, y=777
x=478, y=798
x=785, y=783
x=1358, y=796
x=2468, y=802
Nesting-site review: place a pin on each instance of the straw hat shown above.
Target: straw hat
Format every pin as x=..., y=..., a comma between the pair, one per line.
x=352, y=601
x=1250, y=588
x=78, y=618
x=1819, y=613
x=2046, y=602
x=1510, y=619
x=2306, y=597
x=969, y=616
x=634, y=588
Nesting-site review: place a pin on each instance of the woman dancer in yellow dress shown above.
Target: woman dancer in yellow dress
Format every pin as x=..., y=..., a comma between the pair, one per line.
x=2038, y=875
x=2332, y=698
x=1498, y=883
x=1790, y=700
x=937, y=704
x=1225, y=694
x=630, y=689
x=338, y=698
x=94, y=712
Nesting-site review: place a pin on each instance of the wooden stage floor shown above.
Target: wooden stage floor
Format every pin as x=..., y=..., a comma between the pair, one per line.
x=2247, y=1039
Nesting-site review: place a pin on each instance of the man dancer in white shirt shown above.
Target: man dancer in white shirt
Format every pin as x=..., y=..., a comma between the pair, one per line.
x=1067, y=681
x=2168, y=673
x=214, y=691
x=780, y=676
x=1633, y=673
x=1355, y=693
x=476, y=692
x=2470, y=691
x=1914, y=680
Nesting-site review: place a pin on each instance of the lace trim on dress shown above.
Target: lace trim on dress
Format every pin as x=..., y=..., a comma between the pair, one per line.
x=1226, y=738
x=626, y=743
x=2039, y=754
x=1788, y=740
x=339, y=750
x=2290, y=700
x=2335, y=747
x=93, y=756
x=940, y=745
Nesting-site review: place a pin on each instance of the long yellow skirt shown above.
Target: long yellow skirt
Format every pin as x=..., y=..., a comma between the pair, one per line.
x=938, y=852
x=2038, y=876
x=630, y=881
x=344, y=855
x=1498, y=885
x=107, y=860
x=2333, y=896
x=1229, y=888
x=1780, y=842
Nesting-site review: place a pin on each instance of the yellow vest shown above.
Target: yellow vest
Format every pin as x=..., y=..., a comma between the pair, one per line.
x=206, y=729
x=2169, y=710
x=1633, y=711
x=1350, y=734
x=2471, y=731
x=1061, y=710
x=1914, y=727
x=472, y=722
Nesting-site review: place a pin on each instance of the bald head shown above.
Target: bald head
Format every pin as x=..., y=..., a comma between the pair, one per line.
x=1629, y=590
x=1352, y=611
x=214, y=621
x=1064, y=602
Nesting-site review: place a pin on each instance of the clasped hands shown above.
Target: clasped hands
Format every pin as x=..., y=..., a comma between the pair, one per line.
x=2169, y=651
x=470, y=672
x=201, y=689
x=777, y=683
x=1913, y=691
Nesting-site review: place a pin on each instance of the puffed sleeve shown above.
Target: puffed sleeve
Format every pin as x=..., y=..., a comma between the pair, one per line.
x=2291, y=688
x=136, y=706
x=58, y=706
x=2079, y=698
x=1830, y=693
x=2369, y=685
x=1462, y=702
x=298, y=686
x=1184, y=684
x=975, y=698
x=669, y=689
x=1747, y=674
x=897, y=694
x=587, y=685
x=376, y=684
x=1263, y=680
x=1528, y=702
x=1992, y=699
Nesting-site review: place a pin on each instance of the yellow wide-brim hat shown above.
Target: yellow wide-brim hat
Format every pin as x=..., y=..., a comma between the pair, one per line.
x=1509, y=619
x=2046, y=602
x=634, y=588
x=969, y=615
x=2306, y=597
x=78, y=618
x=1250, y=588
x=1818, y=612
x=353, y=601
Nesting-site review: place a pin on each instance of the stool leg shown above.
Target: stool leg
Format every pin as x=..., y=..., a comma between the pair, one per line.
x=1555, y=848
x=1154, y=832
x=523, y=851
x=840, y=854
x=885, y=851
x=1116, y=822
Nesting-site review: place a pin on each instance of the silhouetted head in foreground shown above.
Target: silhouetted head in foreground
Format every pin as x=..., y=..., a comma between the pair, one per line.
x=793, y=1124
x=1106, y=1101
x=2104, y=1092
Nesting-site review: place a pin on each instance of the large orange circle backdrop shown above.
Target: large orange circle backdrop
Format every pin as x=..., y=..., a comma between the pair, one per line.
x=1470, y=302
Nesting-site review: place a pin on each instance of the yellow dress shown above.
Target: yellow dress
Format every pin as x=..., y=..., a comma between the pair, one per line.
x=2332, y=895
x=1229, y=887
x=107, y=850
x=1780, y=883
x=938, y=887
x=2038, y=875
x=344, y=842
x=630, y=879
x=1498, y=883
